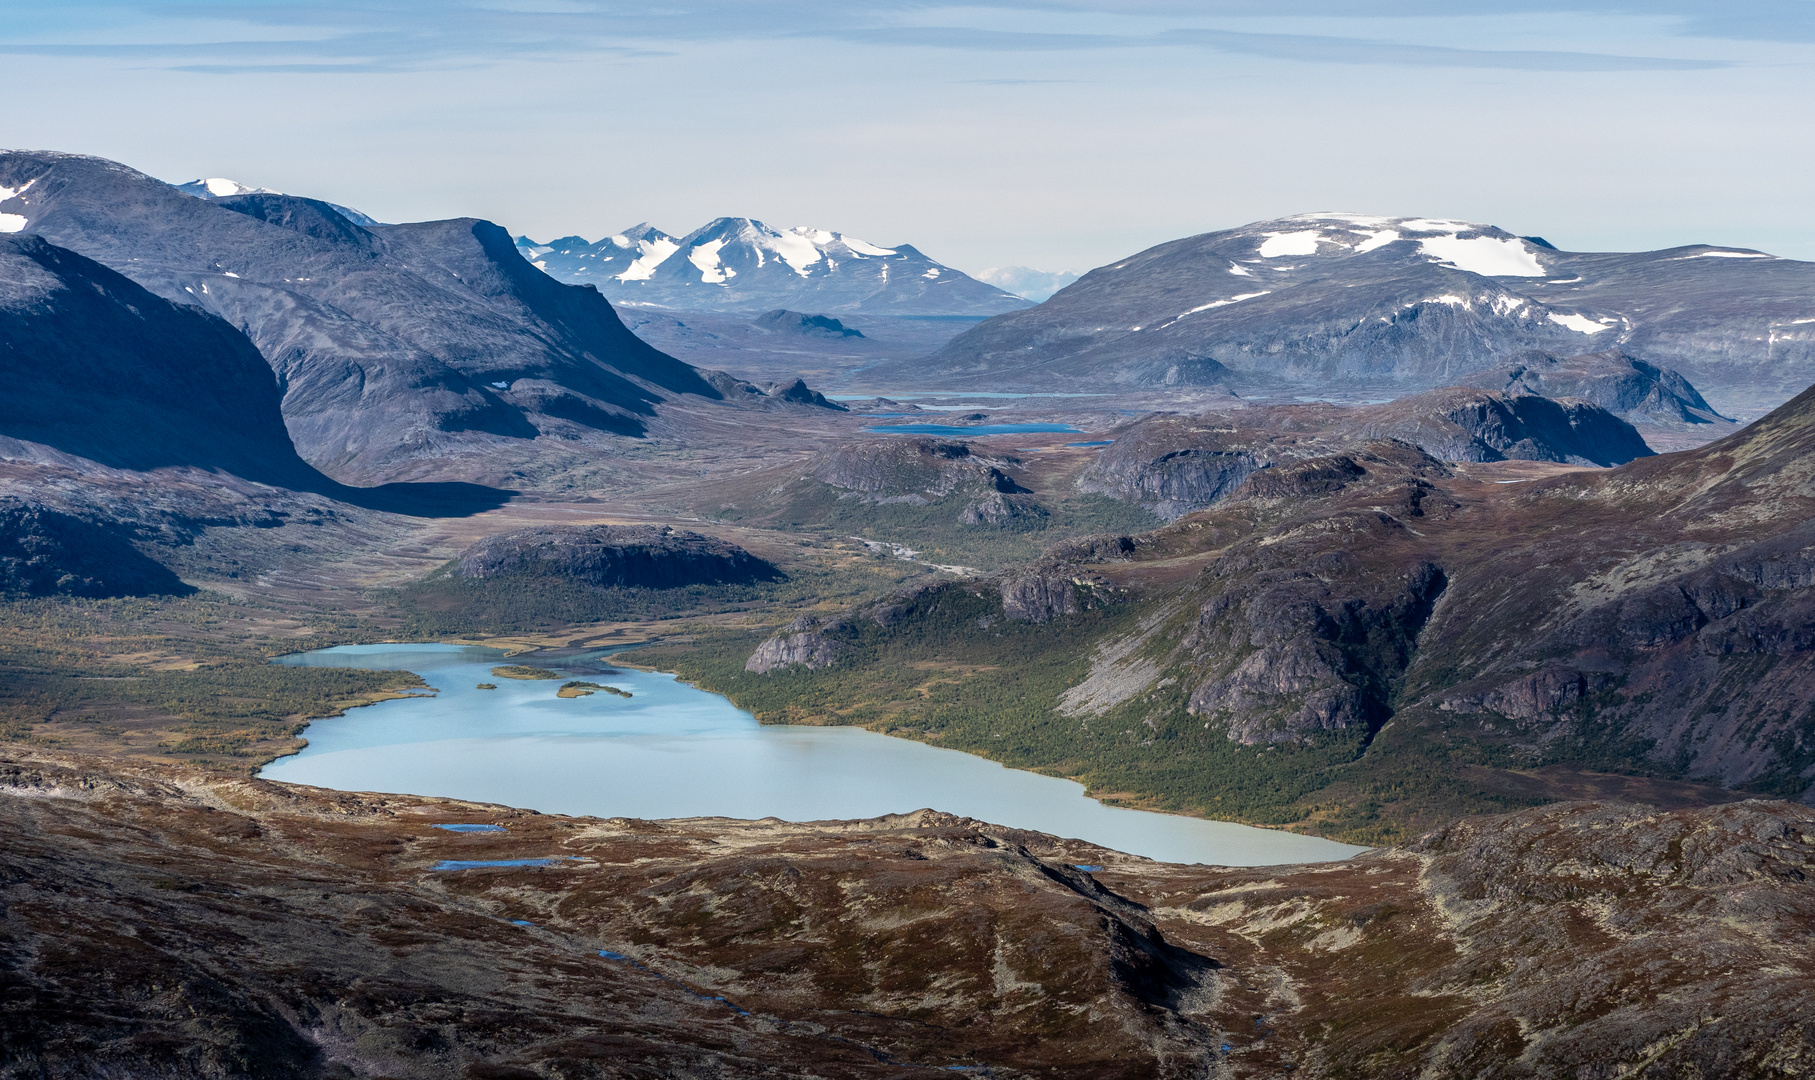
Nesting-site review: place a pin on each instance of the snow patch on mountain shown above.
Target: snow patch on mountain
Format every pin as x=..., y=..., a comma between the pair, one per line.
x=1290, y=243
x=1727, y=255
x=1581, y=324
x=650, y=255
x=8, y=194
x=220, y=187
x=1484, y=255
x=705, y=258
x=12, y=223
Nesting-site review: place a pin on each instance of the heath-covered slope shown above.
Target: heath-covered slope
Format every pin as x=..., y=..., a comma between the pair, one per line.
x=1371, y=638
x=161, y=922
x=737, y=264
x=392, y=344
x=1371, y=304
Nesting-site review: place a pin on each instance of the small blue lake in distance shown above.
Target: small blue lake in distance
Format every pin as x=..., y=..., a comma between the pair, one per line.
x=672, y=750
x=960, y=430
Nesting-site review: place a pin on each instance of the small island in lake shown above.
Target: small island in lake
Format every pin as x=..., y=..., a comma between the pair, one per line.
x=584, y=689
x=487, y=686
x=520, y=671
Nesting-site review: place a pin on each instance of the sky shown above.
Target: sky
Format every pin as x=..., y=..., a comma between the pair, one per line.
x=1055, y=134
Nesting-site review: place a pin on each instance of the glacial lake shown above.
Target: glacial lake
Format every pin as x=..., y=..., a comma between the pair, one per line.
x=671, y=750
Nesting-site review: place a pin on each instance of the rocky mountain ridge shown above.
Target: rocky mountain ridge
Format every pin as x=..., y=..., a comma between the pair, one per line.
x=393, y=344
x=1362, y=305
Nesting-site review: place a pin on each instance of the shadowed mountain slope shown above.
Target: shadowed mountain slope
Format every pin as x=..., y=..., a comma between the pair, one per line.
x=98, y=368
x=391, y=344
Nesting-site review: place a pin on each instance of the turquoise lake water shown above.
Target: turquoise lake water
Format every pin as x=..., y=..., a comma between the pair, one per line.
x=672, y=750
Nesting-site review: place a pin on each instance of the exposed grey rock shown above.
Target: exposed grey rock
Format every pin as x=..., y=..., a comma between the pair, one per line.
x=1003, y=510
x=799, y=393
x=1460, y=424
x=1038, y=597
x=1296, y=651
x=630, y=556
x=803, y=643
x=1548, y=692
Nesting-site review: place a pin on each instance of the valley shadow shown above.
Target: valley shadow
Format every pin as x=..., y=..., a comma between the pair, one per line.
x=434, y=499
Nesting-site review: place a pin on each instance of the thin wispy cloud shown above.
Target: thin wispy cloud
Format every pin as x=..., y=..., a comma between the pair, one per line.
x=407, y=36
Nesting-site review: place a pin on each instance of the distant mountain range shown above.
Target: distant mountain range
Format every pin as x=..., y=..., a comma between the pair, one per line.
x=1026, y=282
x=1355, y=305
x=736, y=264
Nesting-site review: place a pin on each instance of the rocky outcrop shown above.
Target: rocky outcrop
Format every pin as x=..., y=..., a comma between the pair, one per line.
x=1460, y=424
x=799, y=393
x=781, y=320
x=913, y=471
x=1039, y=597
x=1297, y=651
x=804, y=643
x=1004, y=510
x=44, y=553
x=1624, y=385
x=614, y=556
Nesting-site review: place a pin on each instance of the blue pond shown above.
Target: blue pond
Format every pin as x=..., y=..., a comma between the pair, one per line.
x=470, y=828
x=675, y=751
x=1099, y=442
x=476, y=864
x=962, y=430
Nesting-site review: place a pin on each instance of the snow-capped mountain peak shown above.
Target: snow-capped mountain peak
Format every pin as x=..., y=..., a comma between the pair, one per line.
x=740, y=263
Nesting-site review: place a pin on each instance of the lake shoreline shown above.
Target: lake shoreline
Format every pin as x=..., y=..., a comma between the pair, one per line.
x=719, y=761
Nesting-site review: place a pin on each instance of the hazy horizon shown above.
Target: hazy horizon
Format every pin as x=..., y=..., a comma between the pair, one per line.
x=1056, y=135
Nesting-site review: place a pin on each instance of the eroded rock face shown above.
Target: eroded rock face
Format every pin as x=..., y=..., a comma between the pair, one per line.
x=624, y=556
x=803, y=643
x=1039, y=597
x=1319, y=648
